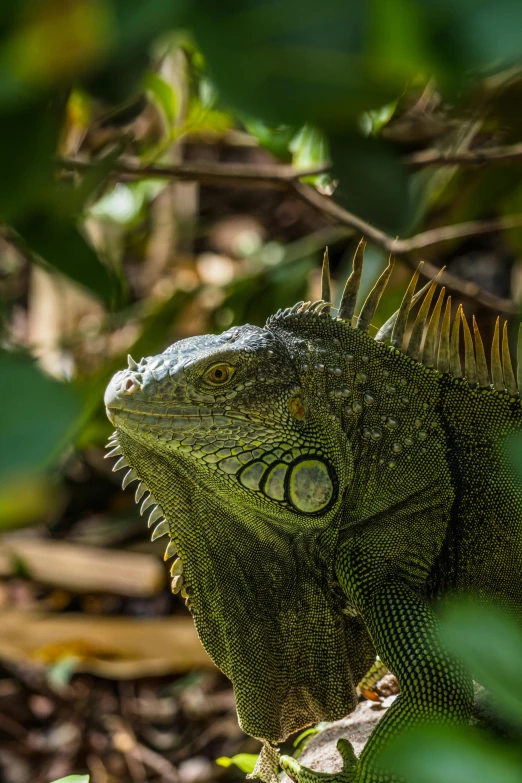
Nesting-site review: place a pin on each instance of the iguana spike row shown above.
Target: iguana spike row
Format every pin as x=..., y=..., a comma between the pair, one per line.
x=482, y=365
x=444, y=345
x=509, y=376
x=519, y=357
x=497, y=375
x=414, y=345
x=430, y=341
x=373, y=298
x=388, y=328
x=422, y=344
x=470, y=366
x=454, y=349
x=326, y=295
x=401, y=317
x=351, y=288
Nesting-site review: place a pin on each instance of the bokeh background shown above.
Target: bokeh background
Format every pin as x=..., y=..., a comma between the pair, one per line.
x=174, y=167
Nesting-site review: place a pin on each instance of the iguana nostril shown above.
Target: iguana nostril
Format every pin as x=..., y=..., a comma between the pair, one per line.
x=130, y=386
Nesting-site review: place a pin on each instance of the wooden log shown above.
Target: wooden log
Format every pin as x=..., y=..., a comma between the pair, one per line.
x=82, y=569
x=113, y=647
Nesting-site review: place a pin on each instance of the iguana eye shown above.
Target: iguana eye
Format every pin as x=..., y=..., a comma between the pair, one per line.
x=219, y=374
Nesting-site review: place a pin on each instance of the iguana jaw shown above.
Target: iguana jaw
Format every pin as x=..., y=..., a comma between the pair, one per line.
x=255, y=591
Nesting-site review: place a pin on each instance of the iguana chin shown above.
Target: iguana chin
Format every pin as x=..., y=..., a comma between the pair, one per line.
x=321, y=489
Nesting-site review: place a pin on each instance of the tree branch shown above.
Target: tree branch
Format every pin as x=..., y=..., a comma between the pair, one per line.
x=286, y=177
x=244, y=174
x=406, y=247
x=476, y=157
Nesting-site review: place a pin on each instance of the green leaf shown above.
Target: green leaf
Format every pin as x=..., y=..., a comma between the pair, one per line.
x=164, y=95
x=275, y=140
x=244, y=761
x=60, y=244
x=74, y=779
x=309, y=148
x=490, y=645
x=36, y=415
x=446, y=754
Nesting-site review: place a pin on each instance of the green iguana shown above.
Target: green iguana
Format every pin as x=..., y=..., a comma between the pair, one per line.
x=321, y=489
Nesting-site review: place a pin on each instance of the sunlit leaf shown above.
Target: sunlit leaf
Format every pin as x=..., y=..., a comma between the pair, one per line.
x=244, y=761
x=309, y=148
x=74, y=779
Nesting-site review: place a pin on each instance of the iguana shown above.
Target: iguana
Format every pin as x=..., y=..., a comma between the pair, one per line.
x=321, y=488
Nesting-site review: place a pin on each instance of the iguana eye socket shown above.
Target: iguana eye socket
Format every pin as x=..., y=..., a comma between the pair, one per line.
x=219, y=374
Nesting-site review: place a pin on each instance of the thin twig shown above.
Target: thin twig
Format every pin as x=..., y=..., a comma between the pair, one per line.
x=406, y=247
x=244, y=174
x=476, y=157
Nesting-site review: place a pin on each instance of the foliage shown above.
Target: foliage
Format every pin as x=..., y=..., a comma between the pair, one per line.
x=490, y=645
x=243, y=761
x=74, y=779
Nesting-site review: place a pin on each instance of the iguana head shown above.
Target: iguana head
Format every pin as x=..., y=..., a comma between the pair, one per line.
x=246, y=469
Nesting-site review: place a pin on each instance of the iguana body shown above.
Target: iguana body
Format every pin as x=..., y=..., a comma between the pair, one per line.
x=322, y=488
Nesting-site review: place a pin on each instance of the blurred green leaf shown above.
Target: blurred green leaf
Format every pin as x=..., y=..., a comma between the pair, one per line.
x=454, y=754
x=275, y=140
x=293, y=61
x=477, y=34
x=490, y=645
x=36, y=415
x=309, y=148
x=164, y=95
x=22, y=498
x=60, y=244
x=244, y=761
x=374, y=120
x=51, y=43
x=74, y=779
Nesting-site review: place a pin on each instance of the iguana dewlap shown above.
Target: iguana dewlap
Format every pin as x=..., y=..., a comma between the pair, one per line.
x=321, y=488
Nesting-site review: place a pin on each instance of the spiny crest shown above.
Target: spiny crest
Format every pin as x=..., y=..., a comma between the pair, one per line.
x=436, y=348
x=156, y=516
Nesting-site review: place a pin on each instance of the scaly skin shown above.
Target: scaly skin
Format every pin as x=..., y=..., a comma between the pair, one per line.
x=322, y=490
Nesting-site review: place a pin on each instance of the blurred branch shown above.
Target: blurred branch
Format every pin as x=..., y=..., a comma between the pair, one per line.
x=112, y=646
x=82, y=568
x=246, y=174
x=405, y=247
x=475, y=157
x=284, y=176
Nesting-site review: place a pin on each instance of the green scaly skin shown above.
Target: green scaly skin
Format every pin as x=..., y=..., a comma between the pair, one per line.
x=322, y=490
